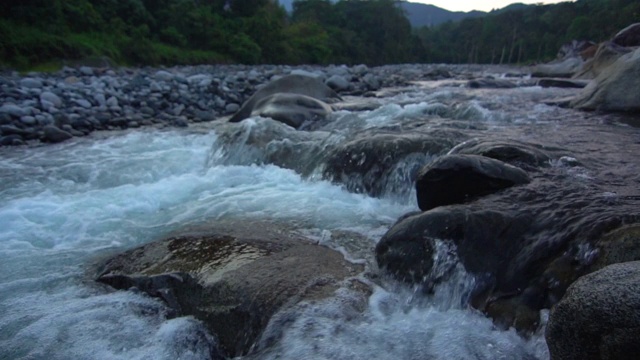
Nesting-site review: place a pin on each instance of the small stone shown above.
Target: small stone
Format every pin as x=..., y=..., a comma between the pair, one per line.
x=11, y=140
x=231, y=108
x=55, y=135
x=164, y=75
x=112, y=101
x=205, y=115
x=31, y=83
x=13, y=110
x=177, y=111
x=85, y=70
x=71, y=80
x=51, y=97
x=83, y=103
x=337, y=82
x=28, y=120
x=100, y=99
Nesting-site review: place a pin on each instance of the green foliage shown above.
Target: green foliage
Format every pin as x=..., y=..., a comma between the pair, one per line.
x=527, y=34
x=374, y=32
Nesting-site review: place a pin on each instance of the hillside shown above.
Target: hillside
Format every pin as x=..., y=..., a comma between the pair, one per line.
x=418, y=14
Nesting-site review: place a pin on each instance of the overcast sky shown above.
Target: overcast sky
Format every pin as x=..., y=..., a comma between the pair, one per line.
x=484, y=5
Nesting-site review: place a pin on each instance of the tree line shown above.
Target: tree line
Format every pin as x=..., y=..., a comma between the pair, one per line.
x=373, y=32
x=526, y=34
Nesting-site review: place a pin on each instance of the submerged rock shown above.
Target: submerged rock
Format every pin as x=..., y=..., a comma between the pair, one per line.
x=232, y=276
x=455, y=179
x=369, y=163
x=615, y=89
x=599, y=316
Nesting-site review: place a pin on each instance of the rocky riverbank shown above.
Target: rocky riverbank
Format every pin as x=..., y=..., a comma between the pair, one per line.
x=75, y=102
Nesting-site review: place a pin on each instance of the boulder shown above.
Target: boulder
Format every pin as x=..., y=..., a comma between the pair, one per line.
x=606, y=54
x=294, y=110
x=615, y=89
x=629, y=36
x=617, y=246
x=294, y=84
x=455, y=179
x=599, y=316
x=232, y=276
x=564, y=68
x=52, y=98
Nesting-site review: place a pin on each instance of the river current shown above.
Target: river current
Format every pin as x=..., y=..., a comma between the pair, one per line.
x=63, y=206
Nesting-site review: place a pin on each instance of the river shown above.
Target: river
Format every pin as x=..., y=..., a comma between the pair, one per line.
x=64, y=205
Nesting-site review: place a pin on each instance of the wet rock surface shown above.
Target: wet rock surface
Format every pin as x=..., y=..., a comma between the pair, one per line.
x=456, y=179
x=231, y=277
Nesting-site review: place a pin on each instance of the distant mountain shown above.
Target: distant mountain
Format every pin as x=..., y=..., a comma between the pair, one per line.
x=419, y=14
x=429, y=15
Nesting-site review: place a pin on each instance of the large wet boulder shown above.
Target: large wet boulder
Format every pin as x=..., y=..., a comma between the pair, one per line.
x=292, y=84
x=629, y=36
x=456, y=179
x=599, y=316
x=512, y=152
x=375, y=163
x=232, y=276
x=606, y=54
x=294, y=110
x=617, y=246
x=615, y=89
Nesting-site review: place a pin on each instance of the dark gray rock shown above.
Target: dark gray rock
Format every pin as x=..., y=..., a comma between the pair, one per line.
x=512, y=152
x=338, y=83
x=55, y=135
x=456, y=179
x=629, y=36
x=562, y=83
x=598, y=317
x=13, y=110
x=32, y=83
x=488, y=83
x=11, y=140
x=51, y=97
x=231, y=276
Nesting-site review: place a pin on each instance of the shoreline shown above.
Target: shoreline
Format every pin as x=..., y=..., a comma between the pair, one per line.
x=40, y=108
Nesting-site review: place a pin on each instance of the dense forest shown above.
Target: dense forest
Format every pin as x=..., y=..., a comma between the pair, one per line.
x=374, y=32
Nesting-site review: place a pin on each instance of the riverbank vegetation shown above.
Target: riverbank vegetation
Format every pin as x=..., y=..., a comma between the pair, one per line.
x=153, y=32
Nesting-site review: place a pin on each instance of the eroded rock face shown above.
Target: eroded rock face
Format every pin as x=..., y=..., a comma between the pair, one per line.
x=606, y=54
x=232, y=276
x=599, y=316
x=455, y=179
x=615, y=89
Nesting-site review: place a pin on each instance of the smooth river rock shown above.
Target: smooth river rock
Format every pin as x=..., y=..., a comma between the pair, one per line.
x=233, y=276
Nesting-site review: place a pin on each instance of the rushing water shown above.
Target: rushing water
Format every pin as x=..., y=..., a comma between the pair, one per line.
x=62, y=206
